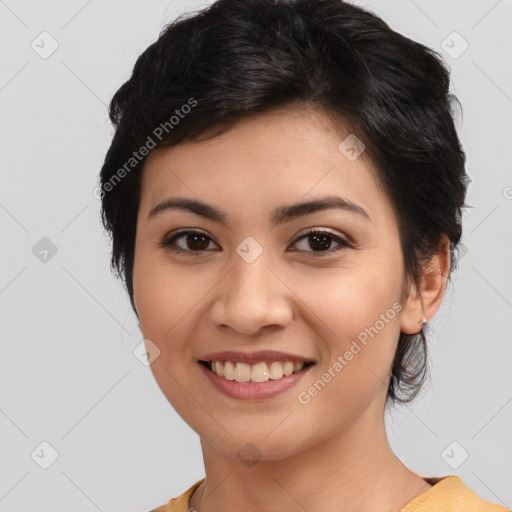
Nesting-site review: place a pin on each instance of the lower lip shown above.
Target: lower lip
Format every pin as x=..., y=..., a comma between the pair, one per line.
x=253, y=390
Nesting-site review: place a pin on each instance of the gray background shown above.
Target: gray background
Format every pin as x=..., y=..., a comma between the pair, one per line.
x=68, y=374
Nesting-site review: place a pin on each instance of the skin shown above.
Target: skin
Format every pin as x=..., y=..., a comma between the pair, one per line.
x=331, y=453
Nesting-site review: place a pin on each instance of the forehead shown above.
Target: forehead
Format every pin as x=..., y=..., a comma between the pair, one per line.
x=271, y=159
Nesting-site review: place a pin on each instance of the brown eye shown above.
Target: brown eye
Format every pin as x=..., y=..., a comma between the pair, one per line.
x=321, y=241
x=193, y=242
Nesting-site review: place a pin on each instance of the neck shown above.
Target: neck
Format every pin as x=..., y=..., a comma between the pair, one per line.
x=353, y=471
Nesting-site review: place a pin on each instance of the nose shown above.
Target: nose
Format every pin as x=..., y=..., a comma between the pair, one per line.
x=252, y=297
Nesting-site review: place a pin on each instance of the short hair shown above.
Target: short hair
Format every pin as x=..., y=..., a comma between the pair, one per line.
x=236, y=59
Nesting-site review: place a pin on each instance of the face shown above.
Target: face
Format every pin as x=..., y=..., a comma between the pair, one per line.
x=246, y=283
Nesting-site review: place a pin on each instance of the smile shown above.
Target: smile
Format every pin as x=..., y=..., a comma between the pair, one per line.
x=254, y=382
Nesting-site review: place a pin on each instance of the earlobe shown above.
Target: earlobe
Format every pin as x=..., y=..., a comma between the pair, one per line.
x=423, y=303
x=413, y=314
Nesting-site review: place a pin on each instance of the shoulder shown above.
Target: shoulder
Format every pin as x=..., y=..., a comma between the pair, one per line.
x=180, y=503
x=450, y=494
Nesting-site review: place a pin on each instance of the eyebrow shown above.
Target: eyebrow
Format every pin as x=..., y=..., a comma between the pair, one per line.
x=280, y=215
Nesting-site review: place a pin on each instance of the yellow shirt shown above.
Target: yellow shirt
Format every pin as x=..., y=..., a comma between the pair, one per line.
x=448, y=494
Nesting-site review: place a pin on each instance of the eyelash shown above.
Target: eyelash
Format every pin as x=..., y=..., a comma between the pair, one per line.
x=168, y=242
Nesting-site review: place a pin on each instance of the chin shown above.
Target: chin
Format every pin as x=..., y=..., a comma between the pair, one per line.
x=257, y=445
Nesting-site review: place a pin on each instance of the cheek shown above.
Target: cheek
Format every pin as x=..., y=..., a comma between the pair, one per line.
x=351, y=298
x=164, y=293
x=357, y=313
x=169, y=299
x=361, y=353
x=159, y=308
x=166, y=317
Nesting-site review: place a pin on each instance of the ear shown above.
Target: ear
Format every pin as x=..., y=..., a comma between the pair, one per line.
x=424, y=302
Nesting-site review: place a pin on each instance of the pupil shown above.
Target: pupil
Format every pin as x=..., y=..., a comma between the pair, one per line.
x=194, y=244
x=323, y=244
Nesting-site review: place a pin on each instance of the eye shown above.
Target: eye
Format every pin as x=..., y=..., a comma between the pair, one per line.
x=196, y=242
x=321, y=241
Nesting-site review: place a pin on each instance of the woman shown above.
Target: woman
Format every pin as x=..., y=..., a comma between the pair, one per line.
x=284, y=194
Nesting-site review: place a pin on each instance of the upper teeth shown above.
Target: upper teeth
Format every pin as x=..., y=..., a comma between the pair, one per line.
x=259, y=372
